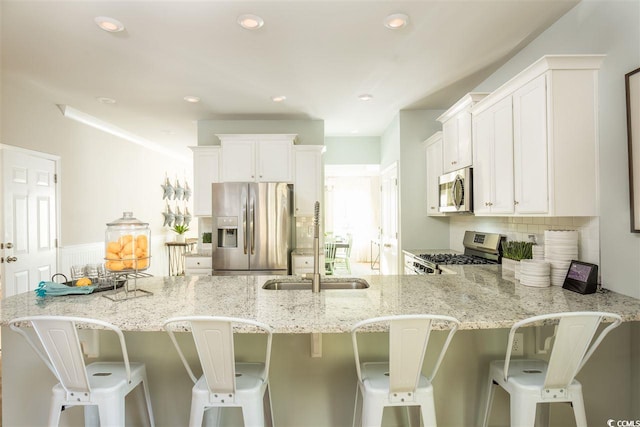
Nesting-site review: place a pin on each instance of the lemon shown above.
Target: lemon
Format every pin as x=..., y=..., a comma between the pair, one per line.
x=85, y=281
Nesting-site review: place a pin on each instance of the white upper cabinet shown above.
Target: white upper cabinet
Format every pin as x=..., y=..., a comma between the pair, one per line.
x=308, y=182
x=552, y=165
x=493, y=160
x=206, y=170
x=457, y=147
x=257, y=158
x=434, y=170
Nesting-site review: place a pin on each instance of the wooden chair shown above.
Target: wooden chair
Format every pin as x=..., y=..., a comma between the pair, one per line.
x=329, y=257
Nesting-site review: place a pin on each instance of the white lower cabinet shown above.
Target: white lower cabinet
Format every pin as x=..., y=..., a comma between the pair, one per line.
x=198, y=265
x=303, y=264
x=434, y=170
x=536, y=141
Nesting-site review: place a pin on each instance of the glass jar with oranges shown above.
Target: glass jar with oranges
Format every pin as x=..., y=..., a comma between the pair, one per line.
x=127, y=244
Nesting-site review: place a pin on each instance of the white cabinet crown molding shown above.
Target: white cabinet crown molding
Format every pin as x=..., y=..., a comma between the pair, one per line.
x=433, y=138
x=544, y=64
x=462, y=104
x=257, y=136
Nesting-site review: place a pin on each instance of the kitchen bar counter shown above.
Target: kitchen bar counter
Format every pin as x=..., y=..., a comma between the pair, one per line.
x=477, y=295
x=318, y=391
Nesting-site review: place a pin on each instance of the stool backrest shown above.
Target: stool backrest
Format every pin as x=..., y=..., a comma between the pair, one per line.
x=573, y=345
x=408, y=341
x=213, y=338
x=60, y=347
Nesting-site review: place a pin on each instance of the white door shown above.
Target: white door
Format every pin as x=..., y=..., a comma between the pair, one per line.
x=389, y=260
x=30, y=220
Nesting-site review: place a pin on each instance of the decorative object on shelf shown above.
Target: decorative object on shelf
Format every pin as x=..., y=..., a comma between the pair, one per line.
x=632, y=85
x=168, y=190
x=180, y=229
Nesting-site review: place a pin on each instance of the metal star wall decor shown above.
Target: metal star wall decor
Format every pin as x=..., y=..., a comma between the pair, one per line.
x=168, y=190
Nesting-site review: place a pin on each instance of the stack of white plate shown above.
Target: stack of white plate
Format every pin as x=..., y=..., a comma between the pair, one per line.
x=535, y=272
x=561, y=246
x=537, y=252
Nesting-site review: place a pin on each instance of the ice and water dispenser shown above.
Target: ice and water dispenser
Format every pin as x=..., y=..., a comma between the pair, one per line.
x=227, y=227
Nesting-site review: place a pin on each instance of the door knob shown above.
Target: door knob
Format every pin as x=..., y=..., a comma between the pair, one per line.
x=12, y=259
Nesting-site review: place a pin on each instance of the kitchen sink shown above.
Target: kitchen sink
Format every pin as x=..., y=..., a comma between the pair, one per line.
x=325, y=284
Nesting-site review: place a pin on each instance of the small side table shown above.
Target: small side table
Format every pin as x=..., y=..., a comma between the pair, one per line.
x=177, y=252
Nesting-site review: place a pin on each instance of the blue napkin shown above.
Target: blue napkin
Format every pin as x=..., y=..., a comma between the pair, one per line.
x=57, y=289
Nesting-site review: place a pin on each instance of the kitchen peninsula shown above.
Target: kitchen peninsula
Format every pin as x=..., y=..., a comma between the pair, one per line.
x=310, y=391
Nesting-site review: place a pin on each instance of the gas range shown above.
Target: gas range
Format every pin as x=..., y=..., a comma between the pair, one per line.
x=479, y=249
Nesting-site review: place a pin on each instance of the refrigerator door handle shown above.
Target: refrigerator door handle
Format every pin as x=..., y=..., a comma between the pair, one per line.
x=244, y=224
x=252, y=212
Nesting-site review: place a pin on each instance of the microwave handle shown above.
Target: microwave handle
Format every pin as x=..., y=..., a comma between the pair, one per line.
x=458, y=194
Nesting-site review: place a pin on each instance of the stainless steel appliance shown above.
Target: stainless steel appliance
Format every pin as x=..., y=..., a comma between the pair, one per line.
x=251, y=227
x=479, y=248
x=455, y=190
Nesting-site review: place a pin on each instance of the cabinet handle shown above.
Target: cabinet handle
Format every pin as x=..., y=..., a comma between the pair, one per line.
x=486, y=203
x=515, y=202
x=432, y=207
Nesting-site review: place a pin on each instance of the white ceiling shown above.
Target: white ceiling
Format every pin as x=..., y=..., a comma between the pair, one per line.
x=320, y=54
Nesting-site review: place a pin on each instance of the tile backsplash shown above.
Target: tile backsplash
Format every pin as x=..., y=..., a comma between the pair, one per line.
x=520, y=228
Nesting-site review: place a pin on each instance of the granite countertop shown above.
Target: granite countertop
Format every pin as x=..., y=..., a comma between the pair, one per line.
x=477, y=295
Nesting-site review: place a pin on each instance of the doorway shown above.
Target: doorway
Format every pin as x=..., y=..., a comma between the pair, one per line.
x=352, y=210
x=29, y=220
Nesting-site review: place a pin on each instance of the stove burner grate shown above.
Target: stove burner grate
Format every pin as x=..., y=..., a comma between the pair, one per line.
x=455, y=259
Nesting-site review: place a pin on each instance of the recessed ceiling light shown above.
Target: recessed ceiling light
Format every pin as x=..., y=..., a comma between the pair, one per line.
x=109, y=24
x=192, y=99
x=250, y=22
x=279, y=98
x=105, y=100
x=396, y=20
x=365, y=97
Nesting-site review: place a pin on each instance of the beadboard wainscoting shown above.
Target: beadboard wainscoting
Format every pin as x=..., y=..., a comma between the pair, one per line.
x=519, y=228
x=93, y=253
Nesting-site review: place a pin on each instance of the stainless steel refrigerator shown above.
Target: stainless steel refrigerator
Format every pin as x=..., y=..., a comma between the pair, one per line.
x=251, y=224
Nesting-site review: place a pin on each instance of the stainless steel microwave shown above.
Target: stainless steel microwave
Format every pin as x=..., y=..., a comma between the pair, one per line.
x=455, y=190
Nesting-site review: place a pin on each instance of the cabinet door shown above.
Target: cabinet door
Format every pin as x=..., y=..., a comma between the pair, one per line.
x=493, y=159
x=206, y=168
x=450, y=145
x=238, y=161
x=482, y=160
x=434, y=170
x=502, y=157
x=530, y=148
x=307, y=187
x=274, y=161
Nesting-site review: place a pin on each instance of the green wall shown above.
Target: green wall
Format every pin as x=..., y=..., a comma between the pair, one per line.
x=352, y=150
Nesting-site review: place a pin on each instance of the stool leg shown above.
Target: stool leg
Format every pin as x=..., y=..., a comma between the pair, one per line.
x=487, y=410
x=54, y=411
x=112, y=411
x=268, y=409
x=428, y=410
x=371, y=413
x=91, y=416
x=197, y=413
x=147, y=397
x=523, y=411
x=578, y=411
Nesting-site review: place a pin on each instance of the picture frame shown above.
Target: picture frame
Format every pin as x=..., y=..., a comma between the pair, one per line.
x=632, y=87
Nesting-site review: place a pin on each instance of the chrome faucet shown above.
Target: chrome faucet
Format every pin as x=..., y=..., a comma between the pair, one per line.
x=315, y=284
